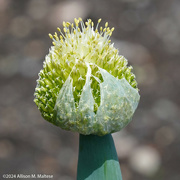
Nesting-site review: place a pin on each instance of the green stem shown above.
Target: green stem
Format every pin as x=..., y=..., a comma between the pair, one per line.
x=98, y=158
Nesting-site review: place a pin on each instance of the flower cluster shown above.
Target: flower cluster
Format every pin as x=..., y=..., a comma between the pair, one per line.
x=85, y=85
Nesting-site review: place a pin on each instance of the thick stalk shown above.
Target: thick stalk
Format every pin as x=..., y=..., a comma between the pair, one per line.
x=97, y=158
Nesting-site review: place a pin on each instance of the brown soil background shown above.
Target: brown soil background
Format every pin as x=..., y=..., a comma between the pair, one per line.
x=147, y=32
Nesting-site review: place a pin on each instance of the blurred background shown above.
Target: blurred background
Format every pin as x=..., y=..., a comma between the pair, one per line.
x=147, y=33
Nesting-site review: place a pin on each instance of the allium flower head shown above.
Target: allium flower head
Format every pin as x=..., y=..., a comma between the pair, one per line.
x=85, y=86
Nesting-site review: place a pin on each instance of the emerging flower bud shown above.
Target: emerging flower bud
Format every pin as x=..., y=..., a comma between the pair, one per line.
x=85, y=86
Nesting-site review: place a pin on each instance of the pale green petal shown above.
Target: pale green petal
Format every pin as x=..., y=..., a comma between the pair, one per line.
x=65, y=106
x=118, y=103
